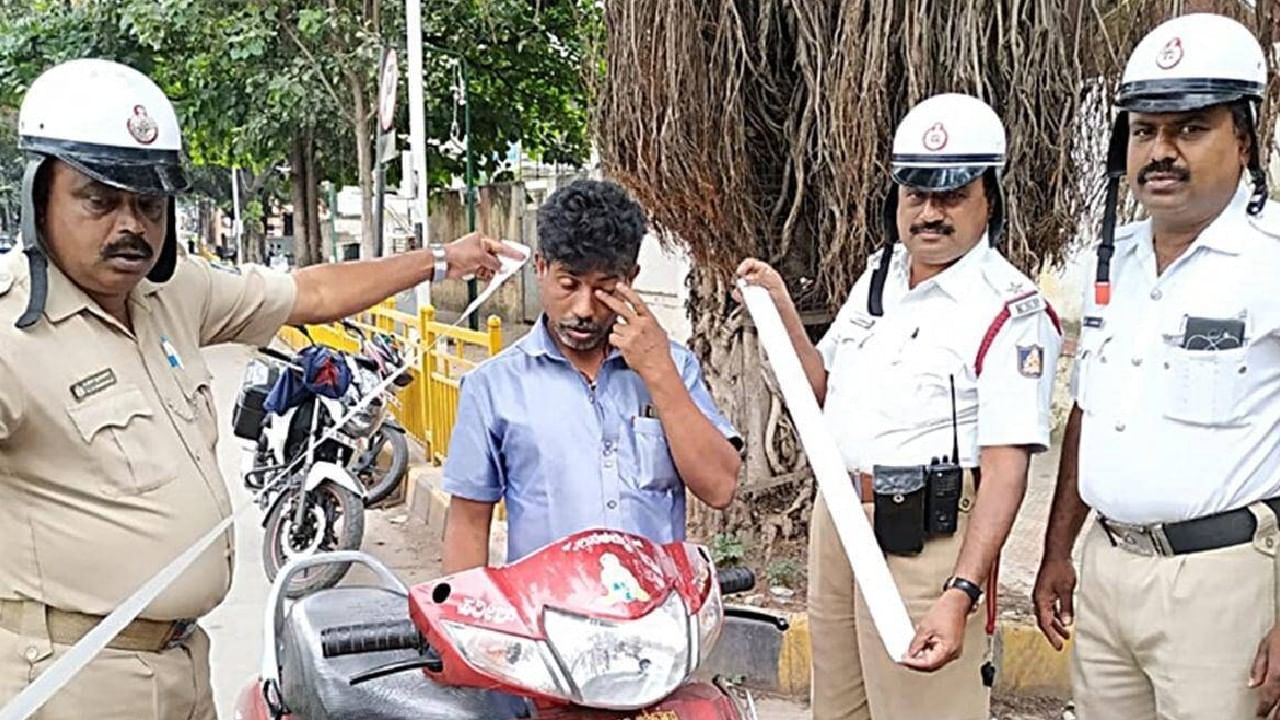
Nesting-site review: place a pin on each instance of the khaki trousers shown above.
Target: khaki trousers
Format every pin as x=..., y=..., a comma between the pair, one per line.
x=853, y=677
x=1170, y=637
x=115, y=685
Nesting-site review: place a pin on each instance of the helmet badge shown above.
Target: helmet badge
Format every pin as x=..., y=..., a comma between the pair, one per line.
x=935, y=138
x=1171, y=55
x=142, y=127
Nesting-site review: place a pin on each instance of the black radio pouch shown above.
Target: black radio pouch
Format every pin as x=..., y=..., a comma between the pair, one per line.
x=900, y=499
x=946, y=483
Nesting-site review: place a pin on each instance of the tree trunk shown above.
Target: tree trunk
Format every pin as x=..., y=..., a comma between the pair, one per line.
x=777, y=486
x=298, y=198
x=312, y=184
x=364, y=158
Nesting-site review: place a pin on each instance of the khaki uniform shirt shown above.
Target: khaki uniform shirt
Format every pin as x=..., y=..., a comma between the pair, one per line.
x=107, y=462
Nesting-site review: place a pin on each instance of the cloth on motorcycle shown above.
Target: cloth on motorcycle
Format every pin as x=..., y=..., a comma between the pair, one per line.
x=323, y=373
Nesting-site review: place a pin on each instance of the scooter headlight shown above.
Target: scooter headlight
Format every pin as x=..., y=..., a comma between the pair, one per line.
x=710, y=619
x=527, y=662
x=623, y=665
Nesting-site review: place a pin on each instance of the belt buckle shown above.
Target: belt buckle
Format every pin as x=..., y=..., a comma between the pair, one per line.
x=1145, y=540
x=181, y=631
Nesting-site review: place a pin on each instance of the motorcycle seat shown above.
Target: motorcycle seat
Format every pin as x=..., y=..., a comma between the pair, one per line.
x=317, y=688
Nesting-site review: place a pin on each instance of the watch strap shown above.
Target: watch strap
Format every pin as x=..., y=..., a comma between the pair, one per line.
x=441, y=263
x=967, y=587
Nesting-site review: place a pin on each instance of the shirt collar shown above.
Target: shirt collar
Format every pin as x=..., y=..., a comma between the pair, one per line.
x=958, y=281
x=1223, y=235
x=538, y=342
x=65, y=298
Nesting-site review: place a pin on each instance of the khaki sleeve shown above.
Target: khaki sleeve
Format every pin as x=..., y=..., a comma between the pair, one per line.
x=12, y=399
x=244, y=305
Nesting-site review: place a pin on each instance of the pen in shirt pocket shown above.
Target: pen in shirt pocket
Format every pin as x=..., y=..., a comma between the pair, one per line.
x=170, y=353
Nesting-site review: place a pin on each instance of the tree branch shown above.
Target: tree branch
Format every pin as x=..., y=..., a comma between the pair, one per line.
x=297, y=41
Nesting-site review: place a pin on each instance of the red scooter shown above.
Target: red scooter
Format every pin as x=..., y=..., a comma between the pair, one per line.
x=595, y=626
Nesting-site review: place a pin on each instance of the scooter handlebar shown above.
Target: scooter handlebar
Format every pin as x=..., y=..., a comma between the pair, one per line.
x=371, y=637
x=736, y=580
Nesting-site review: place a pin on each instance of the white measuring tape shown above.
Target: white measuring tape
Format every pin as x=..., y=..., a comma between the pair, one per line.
x=888, y=612
x=35, y=695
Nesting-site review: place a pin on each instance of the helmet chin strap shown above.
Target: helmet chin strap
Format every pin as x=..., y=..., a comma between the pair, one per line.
x=1258, y=200
x=1117, y=159
x=875, y=297
x=995, y=224
x=168, y=260
x=33, y=248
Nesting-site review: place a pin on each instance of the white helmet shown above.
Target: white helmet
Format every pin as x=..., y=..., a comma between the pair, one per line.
x=111, y=123
x=1191, y=62
x=944, y=143
x=1187, y=63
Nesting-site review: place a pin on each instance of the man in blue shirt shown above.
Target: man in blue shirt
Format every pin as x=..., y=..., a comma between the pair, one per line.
x=593, y=419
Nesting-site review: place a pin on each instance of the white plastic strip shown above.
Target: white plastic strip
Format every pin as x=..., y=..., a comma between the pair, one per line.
x=869, y=568
x=509, y=268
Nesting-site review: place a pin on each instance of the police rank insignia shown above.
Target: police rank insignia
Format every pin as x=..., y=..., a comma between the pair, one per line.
x=1030, y=360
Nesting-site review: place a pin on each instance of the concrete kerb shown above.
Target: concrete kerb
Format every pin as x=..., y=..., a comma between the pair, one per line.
x=1027, y=664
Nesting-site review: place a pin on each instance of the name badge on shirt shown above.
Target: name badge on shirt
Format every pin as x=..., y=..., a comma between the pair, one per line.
x=1093, y=321
x=1026, y=306
x=93, y=384
x=862, y=320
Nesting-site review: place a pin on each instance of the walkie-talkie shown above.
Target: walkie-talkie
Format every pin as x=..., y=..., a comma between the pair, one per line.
x=945, y=479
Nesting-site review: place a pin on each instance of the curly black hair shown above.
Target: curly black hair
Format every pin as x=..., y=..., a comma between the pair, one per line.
x=591, y=226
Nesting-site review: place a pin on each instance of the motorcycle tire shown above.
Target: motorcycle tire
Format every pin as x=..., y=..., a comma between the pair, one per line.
x=329, y=498
x=379, y=484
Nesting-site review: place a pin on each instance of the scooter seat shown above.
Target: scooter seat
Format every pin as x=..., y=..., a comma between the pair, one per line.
x=318, y=688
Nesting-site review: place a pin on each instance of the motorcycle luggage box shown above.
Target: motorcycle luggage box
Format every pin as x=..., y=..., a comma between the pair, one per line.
x=317, y=688
x=248, y=414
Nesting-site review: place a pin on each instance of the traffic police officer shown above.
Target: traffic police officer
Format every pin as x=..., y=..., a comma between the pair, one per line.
x=936, y=372
x=107, y=421
x=1174, y=439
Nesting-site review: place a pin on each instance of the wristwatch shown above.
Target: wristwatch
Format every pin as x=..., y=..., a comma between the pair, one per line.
x=441, y=263
x=967, y=587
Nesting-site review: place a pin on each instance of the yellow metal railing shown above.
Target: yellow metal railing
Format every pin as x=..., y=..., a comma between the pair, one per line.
x=429, y=405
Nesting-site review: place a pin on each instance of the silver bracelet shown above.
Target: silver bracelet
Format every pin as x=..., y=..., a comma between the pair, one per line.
x=441, y=264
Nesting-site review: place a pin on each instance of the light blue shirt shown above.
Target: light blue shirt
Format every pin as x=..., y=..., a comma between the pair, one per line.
x=565, y=456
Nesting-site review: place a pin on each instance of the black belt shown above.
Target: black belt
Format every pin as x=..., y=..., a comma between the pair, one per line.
x=1211, y=532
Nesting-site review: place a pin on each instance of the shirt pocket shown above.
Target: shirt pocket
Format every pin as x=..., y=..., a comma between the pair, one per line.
x=1205, y=387
x=121, y=433
x=1086, y=369
x=844, y=363
x=197, y=391
x=650, y=465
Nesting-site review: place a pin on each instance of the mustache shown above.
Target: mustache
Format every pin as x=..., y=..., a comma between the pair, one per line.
x=1164, y=167
x=128, y=245
x=580, y=326
x=936, y=226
